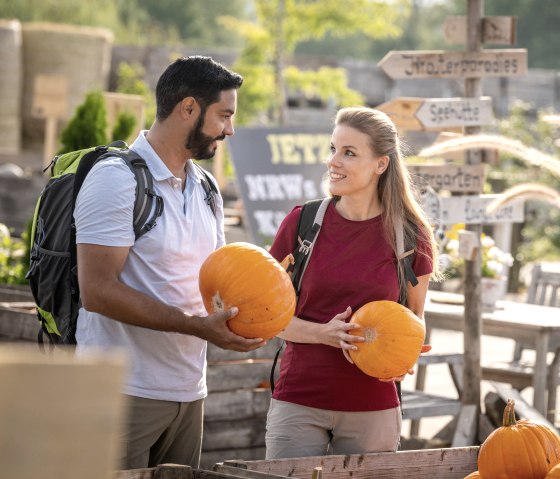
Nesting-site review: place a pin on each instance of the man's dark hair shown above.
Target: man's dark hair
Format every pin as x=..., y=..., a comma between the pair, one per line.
x=196, y=76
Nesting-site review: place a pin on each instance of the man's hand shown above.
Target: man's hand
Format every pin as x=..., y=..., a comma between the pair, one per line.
x=214, y=328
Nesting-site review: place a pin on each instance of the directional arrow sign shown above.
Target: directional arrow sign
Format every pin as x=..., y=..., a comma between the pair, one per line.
x=442, y=64
x=450, y=112
x=454, y=178
x=411, y=113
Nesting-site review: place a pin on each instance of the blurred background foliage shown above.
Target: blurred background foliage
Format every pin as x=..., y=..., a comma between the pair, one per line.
x=367, y=29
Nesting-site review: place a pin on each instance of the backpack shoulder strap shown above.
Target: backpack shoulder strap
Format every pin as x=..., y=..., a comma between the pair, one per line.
x=145, y=214
x=209, y=188
x=309, y=224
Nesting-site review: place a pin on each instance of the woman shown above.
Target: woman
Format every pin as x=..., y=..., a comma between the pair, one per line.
x=322, y=401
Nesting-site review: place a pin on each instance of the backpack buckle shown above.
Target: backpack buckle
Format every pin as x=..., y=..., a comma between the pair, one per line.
x=305, y=247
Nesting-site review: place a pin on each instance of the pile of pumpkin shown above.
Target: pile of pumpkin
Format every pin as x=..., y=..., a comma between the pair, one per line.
x=519, y=450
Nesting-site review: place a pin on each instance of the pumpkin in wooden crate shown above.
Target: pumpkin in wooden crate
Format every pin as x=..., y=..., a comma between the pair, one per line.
x=248, y=277
x=518, y=449
x=554, y=473
x=394, y=336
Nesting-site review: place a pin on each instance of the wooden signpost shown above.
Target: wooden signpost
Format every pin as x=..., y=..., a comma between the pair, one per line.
x=472, y=65
x=442, y=64
x=495, y=30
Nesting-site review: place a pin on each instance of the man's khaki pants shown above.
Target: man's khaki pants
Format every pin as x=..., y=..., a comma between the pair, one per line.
x=157, y=432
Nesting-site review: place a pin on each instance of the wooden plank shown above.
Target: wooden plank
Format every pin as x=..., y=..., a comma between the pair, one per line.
x=50, y=97
x=209, y=458
x=238, y=472
x=495, y=30
x=522, y=409
x=449, y=177
x=18, y=324
x=239, y=404
x=233, y=375
x=60, y=414
x=441, y=113
x=418, y=405
x=11, y=293
x=467, y=424
x=470, y=209
x=447, y=463
x=441, y=64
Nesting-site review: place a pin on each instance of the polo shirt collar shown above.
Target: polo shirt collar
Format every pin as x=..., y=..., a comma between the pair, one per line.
x=157, y=167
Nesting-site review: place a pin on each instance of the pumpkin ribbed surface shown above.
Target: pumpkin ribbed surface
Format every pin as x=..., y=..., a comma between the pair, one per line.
x=248, y=277
x=394, y=336
x=519, y=449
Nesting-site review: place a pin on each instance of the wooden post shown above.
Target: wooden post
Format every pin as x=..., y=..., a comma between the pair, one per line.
x=473, y=324
x=50, y=102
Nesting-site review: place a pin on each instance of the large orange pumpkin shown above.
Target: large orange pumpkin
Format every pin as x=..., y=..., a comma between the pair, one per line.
x=519, y=449
x=248, y=277
x=394, y=336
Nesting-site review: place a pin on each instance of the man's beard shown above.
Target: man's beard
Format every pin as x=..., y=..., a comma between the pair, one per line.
x=199, y=143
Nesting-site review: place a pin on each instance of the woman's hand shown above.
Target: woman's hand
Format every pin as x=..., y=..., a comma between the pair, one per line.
x=425, y=348
x=335, y=332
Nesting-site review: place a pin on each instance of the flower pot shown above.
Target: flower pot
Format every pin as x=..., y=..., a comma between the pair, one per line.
x=491, y=290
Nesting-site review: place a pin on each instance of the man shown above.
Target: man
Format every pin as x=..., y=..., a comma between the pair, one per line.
x=143, y=296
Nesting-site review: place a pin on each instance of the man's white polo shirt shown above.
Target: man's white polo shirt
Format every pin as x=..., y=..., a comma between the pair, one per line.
x=163, y=264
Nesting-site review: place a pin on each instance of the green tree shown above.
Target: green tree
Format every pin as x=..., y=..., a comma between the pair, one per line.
x=280, y=25
x=87, y=126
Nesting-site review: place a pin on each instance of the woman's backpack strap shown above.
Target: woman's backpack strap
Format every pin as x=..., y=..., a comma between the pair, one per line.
x=309, y=224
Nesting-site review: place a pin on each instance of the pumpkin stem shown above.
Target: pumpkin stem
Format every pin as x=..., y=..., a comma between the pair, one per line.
x=509, y=414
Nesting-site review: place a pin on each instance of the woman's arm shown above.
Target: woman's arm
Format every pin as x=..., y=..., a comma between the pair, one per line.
x=334, y=333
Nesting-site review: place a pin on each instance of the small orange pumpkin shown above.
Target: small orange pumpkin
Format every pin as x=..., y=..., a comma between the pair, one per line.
x=473, y=475
x=394, y=336
x=519, y=449
x=554, y=473
x=248, y=277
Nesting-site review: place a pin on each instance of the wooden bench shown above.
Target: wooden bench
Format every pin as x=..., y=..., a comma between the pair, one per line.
x=418, y=404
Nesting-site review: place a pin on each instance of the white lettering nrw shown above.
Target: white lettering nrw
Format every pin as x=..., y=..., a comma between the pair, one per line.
x=274, y=187
x=292, y=186
x=257, y=187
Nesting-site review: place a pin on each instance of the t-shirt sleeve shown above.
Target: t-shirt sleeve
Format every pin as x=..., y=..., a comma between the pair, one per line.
x=105, y=205
x=422, y=263
x=285, y=240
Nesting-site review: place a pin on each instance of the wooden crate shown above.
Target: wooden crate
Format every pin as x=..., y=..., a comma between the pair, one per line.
x=173, y=471
x=450, y=463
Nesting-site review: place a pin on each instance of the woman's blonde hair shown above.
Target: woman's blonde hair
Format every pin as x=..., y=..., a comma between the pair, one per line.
x=395, y=188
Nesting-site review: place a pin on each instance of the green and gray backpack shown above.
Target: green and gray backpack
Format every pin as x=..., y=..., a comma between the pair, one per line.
x=53, y=272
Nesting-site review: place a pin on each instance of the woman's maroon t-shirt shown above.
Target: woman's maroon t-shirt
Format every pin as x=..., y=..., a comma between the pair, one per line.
x=351, y=265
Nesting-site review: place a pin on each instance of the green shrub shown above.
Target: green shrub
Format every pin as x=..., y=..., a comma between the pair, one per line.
x=14, y=257
x=87, y=127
